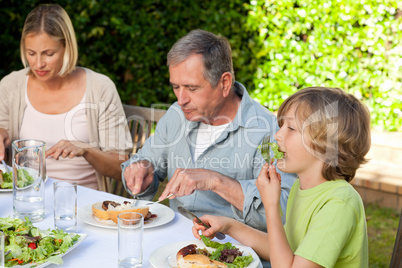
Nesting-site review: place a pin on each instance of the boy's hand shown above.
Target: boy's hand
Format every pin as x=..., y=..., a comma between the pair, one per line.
x=269, y=185
x=217, y=223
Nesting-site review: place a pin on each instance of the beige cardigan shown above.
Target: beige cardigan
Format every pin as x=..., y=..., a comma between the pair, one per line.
x=108, y=128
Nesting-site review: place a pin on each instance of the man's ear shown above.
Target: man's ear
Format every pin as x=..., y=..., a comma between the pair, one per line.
x=226, y=82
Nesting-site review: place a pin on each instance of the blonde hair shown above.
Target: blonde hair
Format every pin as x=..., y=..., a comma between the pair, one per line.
x=53, y=20
x=337, y=125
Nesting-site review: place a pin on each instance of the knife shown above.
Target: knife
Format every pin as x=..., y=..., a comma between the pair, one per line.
x=189, y=215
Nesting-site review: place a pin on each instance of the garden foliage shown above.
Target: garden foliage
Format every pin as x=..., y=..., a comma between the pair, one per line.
x=353, y=45
x=128, y=40
x=278, y=46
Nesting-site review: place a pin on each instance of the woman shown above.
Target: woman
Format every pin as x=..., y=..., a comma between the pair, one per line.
x=76, y=111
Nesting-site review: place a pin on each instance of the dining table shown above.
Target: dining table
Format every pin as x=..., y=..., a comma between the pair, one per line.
x=100, y=246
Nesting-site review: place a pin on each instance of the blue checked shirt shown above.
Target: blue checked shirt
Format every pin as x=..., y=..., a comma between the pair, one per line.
x=233, y=154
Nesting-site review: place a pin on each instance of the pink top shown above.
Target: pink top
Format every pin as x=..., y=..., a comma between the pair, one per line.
x=51, y=129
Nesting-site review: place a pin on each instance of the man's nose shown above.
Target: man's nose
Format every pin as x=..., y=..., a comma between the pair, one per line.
x=182, y=97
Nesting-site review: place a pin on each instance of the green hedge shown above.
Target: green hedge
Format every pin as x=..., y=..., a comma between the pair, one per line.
x=354, y=45
x=129, y=40
x=278, y=46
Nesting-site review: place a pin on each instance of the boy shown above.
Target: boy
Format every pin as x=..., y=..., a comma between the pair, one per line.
x=324, y=135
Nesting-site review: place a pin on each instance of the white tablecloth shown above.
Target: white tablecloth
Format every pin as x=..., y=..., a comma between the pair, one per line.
x=99, y=249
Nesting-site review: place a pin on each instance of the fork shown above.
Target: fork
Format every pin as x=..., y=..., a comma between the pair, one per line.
x=5, y=166
x=151, y=203
x=265, y=149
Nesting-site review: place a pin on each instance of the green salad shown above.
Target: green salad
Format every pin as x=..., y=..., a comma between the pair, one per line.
x=227, y=253
x=274, y=148
x=6, y=179
x=26, y=244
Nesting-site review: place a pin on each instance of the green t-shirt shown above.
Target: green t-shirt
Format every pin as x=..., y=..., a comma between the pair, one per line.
x=327, y=225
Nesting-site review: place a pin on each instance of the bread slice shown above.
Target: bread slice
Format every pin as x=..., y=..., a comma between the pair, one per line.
x=198, y=261
x=99, y=212
x=112, y=212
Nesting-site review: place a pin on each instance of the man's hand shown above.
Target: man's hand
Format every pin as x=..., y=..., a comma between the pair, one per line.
x=4, y=142
x=66, y=148
x=139, y=176
x=186, y=181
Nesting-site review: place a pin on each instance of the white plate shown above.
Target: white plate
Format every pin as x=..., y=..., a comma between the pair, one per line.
x=79, y=241
x=165, y=256
x=163, y=213
x=6, y=190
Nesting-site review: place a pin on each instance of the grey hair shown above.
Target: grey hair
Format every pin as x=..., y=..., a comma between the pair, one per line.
x=215, y=50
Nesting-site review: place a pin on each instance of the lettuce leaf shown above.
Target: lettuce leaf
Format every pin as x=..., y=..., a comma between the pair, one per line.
x=238, y=262
x=275, y=149
x=243, y=261
x=273, y=146
x=24, y=178
x=7, y=180
x=49, y=243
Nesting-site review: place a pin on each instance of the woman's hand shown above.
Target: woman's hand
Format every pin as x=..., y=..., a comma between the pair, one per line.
x=269, y=185
x=105, y=163
x=4, y=142
x=66, y=148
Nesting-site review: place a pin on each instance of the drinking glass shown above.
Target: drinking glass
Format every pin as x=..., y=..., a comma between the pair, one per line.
x=130, y=232
x=65, y=205
x=29, y=176
x=2, y=245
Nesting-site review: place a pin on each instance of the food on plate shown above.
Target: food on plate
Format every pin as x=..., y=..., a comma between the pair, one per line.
x=198, y=261
x=224, y=255
x=109, y=210
x=6, y=179
x=26, y=244
x=192, y=257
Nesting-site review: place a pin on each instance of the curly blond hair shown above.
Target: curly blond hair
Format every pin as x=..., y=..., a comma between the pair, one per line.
x=337, y=125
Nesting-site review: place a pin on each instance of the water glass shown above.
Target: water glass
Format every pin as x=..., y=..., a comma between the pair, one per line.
x=29, y=176
x=65, y=205
x=130, y=232
x=2, y=245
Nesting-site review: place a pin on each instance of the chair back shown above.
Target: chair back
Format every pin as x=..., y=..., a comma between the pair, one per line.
x=141, y=122
x=396, y=260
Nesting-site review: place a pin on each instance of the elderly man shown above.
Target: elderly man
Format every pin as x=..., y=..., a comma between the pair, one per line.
x=206, y=144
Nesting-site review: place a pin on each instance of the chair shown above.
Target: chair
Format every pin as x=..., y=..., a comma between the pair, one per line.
x=141, y=122
x=396, y=260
